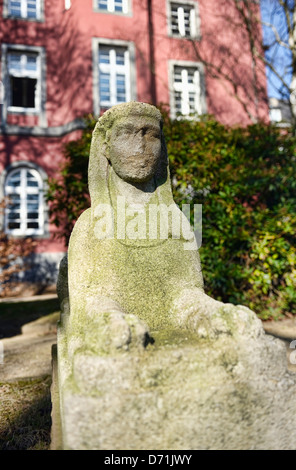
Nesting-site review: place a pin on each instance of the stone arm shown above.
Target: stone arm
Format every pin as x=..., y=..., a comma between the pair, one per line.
x=210, y=318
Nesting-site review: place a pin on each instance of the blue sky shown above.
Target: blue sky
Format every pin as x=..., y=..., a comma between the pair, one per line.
x=272, y=12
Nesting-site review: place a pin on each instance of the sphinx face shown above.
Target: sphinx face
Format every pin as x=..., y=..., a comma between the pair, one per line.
x=135, y=148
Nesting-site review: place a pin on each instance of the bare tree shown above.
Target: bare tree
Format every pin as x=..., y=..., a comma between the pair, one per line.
x=241, y=69
x=279, y=20
x=276, y=51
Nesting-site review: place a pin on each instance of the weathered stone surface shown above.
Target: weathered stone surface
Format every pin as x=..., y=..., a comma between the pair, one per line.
x=146, y=360
x=181, y=393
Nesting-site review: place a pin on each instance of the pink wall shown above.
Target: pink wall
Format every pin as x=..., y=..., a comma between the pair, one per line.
x=67, y=37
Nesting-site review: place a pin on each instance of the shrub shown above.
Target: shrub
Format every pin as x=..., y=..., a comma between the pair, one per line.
x=244, y=177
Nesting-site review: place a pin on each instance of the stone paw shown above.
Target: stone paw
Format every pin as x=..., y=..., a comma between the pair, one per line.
x=116, y=331
x=228, y=319
x=210, y=318
x=242, y=320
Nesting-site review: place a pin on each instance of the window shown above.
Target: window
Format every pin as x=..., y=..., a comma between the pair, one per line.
x=23, y=81
x=112, y=6
x=23, y=74
x=114, y=73
x=114, y=81
x=187, y=87
x=27, y=9
x=275, y=114
x=24, y=214
x=187, y=90
x=183, y=20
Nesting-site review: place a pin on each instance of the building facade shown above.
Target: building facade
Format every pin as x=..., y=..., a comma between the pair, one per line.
x=63, y=59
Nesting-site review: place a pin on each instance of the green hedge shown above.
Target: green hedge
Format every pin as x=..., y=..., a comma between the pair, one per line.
x=245, y=180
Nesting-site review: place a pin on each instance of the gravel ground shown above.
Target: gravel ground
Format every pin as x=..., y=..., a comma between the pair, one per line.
x=25, y=380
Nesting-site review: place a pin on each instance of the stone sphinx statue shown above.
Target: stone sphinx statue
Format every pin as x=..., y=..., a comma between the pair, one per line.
x=123, y=281
x=145, y=359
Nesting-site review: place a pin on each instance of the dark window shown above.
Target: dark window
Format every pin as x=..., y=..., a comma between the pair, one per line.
x=23, y=92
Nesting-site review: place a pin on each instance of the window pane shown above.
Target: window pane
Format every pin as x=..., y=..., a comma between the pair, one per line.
x=32, y=9
x=33, y=215
x=104, y=56
x=178, y=75
x=120, y=57
x=14, y=180
x=33, y=198
x=120, y=88
x=118, y=5
x=14, y=206
x=103, y=4
x=32, y=225
x=31, y=63
x=31, y=179
x=16, y=91
x=23, y=92
x=29, y=92
x=14, y=210
x=14, y=8
x=105, y=87
x=32, y=184
x=14, y=62
x=192, y=102
x=175, y=19
x=13, y=215
x=177, y=96
x=190, y=75
x=187, y=21
x=32, y=208
x=14, y=225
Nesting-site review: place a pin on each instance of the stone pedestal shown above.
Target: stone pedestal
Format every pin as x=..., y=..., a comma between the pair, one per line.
x=180, y=394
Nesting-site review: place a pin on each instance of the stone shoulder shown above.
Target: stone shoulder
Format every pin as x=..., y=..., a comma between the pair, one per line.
x=81, y=227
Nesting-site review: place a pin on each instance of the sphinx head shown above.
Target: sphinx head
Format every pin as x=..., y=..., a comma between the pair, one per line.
x=129, y=138
x=133, y=140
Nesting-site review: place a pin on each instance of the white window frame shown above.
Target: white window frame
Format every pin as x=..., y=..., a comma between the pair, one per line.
x=126, y=7
x=24, y=10
x=275, y=115
x=23, y=190
x=183, y=87
x=40, y=75
x=23, y=73
x=128, y=70
x=113, y=69
x=194, y=19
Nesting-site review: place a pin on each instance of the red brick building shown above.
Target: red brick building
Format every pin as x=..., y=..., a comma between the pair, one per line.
x=62, y=59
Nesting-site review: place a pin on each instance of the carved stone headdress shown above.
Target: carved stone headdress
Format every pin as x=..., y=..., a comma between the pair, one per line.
x=99, y=164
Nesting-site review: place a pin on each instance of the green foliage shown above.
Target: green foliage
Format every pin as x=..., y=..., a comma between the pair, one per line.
x=245, y=180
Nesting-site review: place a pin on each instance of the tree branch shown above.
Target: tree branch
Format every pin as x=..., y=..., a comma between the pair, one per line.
x=277, y=36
